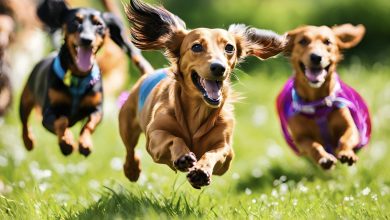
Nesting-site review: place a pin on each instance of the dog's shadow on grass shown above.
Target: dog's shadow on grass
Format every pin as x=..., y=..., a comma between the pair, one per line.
x=129, y=205
x=277, y=174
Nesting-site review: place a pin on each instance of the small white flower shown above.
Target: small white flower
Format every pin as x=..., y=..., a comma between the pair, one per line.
x=44, y=186
x=274, y=150
x=348, y=198
x=283, y=188
x=374, y=197
x=295, y=202
x=283, y=178
x=385, y=190
x=276, y=182
x=62, y=197
x=253, y=201
x=274, y=193
x=37, y=173
x=257, y=173
x=96, y=197
x=248, y=191
x=116, y=163
x=3, y=161
x=302, y=188
x=93, y=184
x=263, y=197
x=366, y=191
x=236, y=176
x=22, y=184
x=260, y=116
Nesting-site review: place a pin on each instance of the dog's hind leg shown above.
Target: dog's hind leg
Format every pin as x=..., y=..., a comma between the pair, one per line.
x=26, y=105
x=129, y=131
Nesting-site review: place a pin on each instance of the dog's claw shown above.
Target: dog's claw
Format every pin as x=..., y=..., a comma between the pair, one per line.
x=185, y=162
x=198, y=178
x=347, y=156
x=327, y=162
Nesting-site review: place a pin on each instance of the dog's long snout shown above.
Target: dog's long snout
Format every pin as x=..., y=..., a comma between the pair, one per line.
x=217, y=69
x=315, y=58
x=86, y=39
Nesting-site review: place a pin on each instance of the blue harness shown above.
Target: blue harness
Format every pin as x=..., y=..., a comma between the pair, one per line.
x=78, y=86
x=148, y=84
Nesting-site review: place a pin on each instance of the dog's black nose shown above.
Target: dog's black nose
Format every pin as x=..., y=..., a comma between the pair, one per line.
x=217, y=69
x=315, y=59
x=86, y=41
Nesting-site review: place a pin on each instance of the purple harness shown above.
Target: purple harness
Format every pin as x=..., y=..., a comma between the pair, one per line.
x=289, y=104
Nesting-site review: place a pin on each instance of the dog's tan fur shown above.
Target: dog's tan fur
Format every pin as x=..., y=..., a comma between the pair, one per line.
x=326, y=42
x=182, y=130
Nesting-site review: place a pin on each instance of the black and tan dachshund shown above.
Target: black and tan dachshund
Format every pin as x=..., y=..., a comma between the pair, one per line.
x=67, y=86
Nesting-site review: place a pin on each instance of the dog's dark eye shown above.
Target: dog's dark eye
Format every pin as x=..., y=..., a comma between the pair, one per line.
x=304, y=42
x=197, y=48
x=327, y=42
x=97, y=23
x=78, y=20
x=229, y=49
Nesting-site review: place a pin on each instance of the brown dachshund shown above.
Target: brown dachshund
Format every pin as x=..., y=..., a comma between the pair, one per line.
x=321, y=116
x=186, y=110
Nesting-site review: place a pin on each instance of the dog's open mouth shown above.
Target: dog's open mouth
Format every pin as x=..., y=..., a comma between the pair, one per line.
x=315, y=75
x=84, y=58
x=210, y=89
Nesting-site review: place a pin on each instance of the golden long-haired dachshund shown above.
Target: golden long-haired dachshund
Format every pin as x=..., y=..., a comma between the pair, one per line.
x=186, y=110
x=321, y=116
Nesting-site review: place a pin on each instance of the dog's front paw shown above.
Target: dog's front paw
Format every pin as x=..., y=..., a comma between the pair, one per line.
x=66, y=143
x=132, y=169
x=347, y=156
x=327, y=162
x=199, y=177
x=85, y=145
x=185, y=162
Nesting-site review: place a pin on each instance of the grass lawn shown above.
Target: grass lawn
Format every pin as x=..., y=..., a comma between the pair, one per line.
x=266, y=179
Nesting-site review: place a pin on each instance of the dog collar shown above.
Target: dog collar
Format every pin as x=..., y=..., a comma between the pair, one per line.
x=77, y=85
x=311, y=108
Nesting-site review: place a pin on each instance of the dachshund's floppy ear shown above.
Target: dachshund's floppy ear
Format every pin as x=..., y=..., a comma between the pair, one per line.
x=52, y=13
x=117, y=31
x=256, y=42
x=348, y=35
x=118, y=35
x=290, y=39
x=155, y=28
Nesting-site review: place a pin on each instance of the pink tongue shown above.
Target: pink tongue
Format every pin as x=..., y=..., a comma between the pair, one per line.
x=84, y=58
x=315, y=75
x=212, y=89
